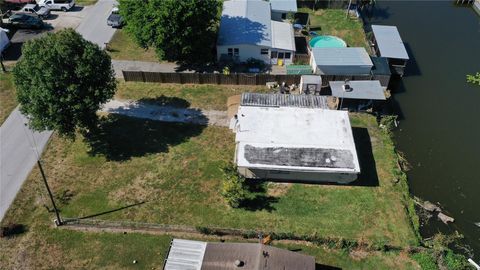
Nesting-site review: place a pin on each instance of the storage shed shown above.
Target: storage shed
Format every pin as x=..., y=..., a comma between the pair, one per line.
x=388, y=43
x=340, y=61
x=310, y=84
x=358, y=96
x=295, y=144
x=381, y=70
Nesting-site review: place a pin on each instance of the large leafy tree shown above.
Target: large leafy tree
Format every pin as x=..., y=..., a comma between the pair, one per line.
x=62, y=80
x=178, y=30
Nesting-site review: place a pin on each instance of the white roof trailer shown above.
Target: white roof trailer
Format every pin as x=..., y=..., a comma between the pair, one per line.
x=295, y=144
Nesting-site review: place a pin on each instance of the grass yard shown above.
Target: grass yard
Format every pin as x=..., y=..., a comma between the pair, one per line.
x=334, y=22
x=210, y=97
x=8, y=100
x=123, y=47
x=175, y=169
x=85, y=2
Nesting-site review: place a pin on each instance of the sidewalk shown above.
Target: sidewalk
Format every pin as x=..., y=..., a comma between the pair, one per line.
x=167, y=113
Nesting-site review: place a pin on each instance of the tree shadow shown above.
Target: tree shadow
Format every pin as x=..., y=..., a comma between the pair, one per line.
x=258, y=199
x=12, y=229
x=368, y=170
x=120, y=138
x=163, y=100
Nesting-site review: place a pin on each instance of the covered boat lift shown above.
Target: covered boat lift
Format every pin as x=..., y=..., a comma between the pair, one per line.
x=387, y=43
x=357, y=95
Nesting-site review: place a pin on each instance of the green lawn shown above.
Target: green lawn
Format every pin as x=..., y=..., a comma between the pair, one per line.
x=8, y=101
x=210, y=97
x=122, y=47
x=85, y=2
x=334, y=22
x=176, y=170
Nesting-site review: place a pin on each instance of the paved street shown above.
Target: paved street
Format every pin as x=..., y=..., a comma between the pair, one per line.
x=94, y=26
x=17, y=156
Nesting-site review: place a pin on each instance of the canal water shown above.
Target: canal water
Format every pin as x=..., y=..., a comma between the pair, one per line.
x=439, y=112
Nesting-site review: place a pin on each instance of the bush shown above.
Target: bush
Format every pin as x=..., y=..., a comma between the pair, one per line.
x=456, y=261
x=425, y=260
x=234, y=189
x=255, y=63
x=387, y=123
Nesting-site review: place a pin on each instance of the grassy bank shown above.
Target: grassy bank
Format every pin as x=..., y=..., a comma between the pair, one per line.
x=176, y=166
x=123, y=47
x=334, y=22
x=8, y=100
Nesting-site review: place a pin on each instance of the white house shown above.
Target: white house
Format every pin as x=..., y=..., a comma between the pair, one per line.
x=306, y=144
x=247, y=31
x=281, y=8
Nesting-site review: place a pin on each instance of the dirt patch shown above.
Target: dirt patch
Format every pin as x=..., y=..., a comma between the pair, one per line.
x=278, y=189
x=358, y=254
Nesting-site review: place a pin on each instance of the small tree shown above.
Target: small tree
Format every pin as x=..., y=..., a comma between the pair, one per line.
x=233, y=187
x=178, y=30
x=61, y=81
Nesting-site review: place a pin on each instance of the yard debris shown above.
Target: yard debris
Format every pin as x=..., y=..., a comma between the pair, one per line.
x=434, y=209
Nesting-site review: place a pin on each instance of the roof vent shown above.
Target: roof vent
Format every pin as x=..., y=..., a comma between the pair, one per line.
x=238, y=263
x=346, y=86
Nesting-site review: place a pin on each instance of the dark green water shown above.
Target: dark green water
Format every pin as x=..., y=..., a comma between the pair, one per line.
x=440, y=113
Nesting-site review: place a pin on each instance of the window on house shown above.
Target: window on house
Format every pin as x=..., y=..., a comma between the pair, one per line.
x=284, y=16
x=273, y=55
x=236, y=52
x=230, y=52
x=263, y=51
x=281, y=55
x=288, y=55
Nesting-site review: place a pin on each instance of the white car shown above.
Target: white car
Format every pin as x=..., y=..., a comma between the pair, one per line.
x=63, y=5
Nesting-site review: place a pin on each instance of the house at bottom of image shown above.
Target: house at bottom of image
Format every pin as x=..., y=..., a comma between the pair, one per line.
x=294, y=143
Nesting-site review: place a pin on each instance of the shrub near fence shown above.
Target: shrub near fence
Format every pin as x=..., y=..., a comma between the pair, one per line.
x=234, y=79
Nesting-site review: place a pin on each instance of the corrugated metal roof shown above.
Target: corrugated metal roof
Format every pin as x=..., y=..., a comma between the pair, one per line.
x=185, y=255
x=371, y=90
x=349, y=56
x=283, y=100
x=284, y=5
x=389, y=42
x=245, y=22
x=282, y=36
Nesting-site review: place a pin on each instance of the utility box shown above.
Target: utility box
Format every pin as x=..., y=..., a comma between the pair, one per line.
x=310, y=84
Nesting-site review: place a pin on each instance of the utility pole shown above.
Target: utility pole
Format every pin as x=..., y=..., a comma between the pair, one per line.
x=58, y=221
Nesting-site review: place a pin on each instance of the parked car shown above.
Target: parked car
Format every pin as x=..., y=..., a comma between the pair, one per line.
x=27, y=21
x=115, y=20
x=42, y=12
x=63, y=5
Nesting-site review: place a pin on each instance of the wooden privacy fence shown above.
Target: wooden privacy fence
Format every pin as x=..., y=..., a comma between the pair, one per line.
x=231, y=79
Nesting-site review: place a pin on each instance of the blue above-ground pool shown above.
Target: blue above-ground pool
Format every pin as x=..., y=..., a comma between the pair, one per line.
x=327, y=42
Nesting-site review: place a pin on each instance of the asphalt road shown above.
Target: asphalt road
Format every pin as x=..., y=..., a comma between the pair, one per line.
x=18, y=144
x=94, y=26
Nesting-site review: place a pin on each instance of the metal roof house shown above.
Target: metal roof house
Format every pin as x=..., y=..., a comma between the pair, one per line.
x=197, y=255
x=388, y=43
x=295, y=144
x=340, y=61
x=358, y=96
x=247, y=31
x=280, y=8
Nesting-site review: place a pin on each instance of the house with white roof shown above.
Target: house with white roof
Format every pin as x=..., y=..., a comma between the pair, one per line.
x=294, y=140
x=248, y=31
